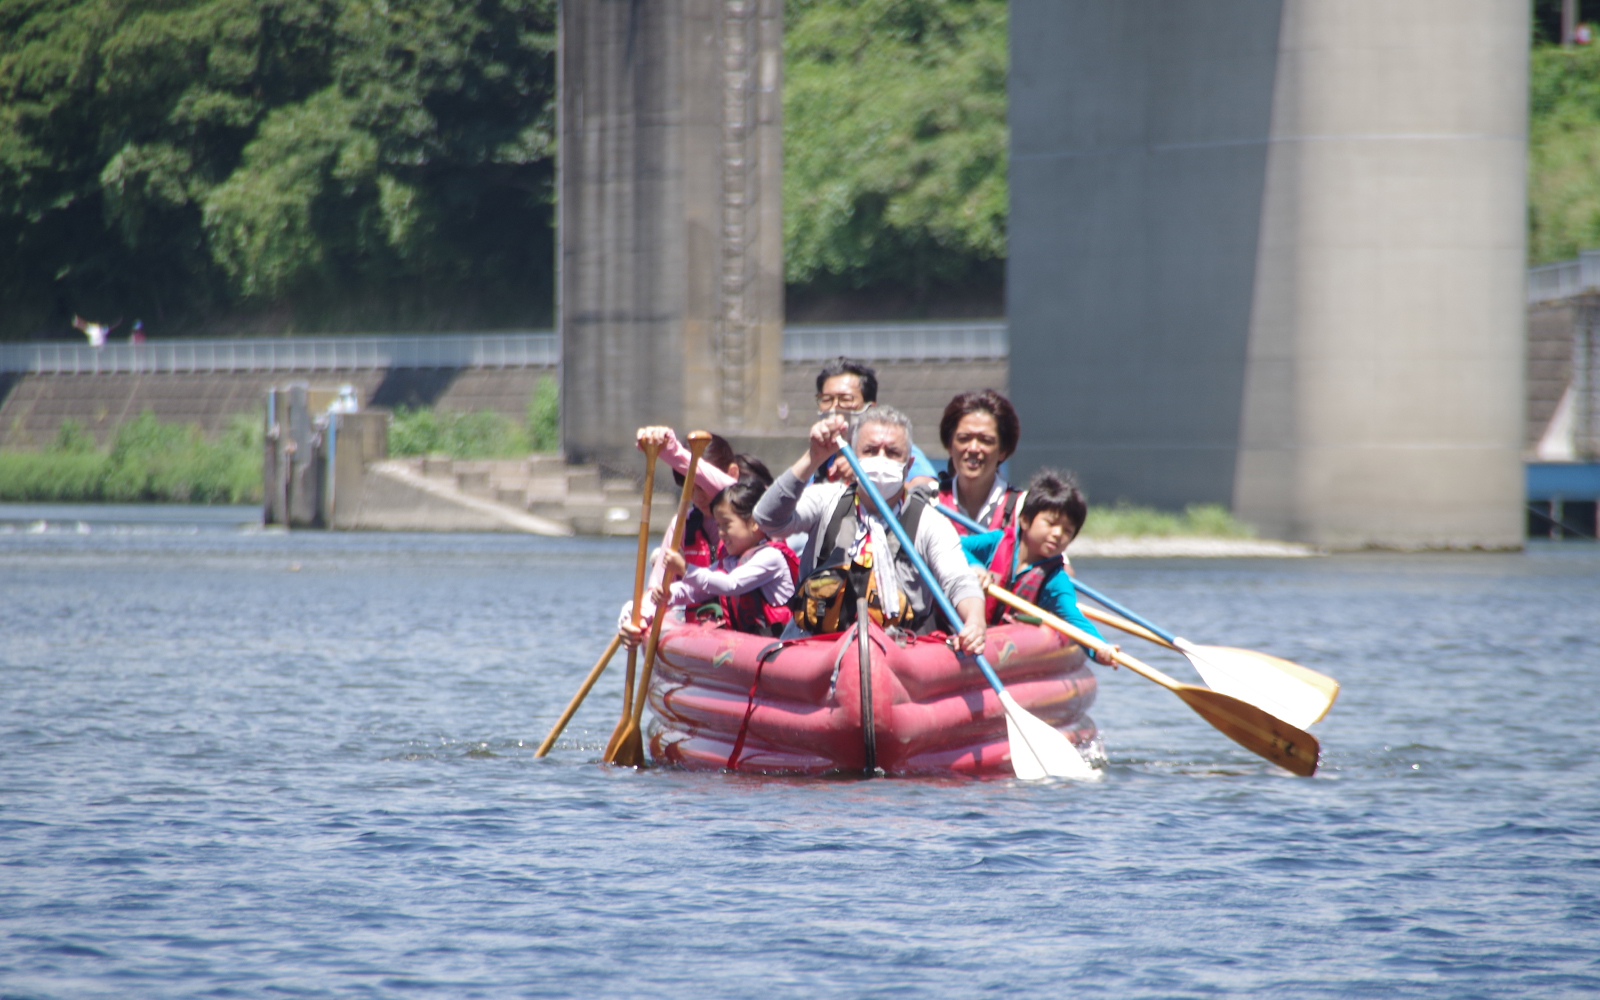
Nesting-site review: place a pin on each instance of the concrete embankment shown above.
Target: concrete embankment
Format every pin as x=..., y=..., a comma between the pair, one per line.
x=33, y=406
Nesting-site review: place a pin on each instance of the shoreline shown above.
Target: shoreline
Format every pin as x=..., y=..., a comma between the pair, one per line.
x=1188, y=546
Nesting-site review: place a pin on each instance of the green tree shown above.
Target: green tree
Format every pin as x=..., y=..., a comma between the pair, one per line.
x=1563, y=152
x=894, y=141
x=354, y=164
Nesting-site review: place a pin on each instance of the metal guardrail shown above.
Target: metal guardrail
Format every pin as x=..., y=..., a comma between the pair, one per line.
x=287, y=354
x=535, y=349
x=961, y=341
x=1564, y=279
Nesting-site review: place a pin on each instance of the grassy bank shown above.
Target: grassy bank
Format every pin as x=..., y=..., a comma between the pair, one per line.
x=482, y=434
x=152, y=461
x=1124, y=520
x=148, y=461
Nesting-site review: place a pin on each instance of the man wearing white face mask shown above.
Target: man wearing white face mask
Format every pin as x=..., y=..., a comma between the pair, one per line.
x=851, y=553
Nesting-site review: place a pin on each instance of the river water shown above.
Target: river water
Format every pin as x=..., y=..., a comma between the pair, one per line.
x=240, y=763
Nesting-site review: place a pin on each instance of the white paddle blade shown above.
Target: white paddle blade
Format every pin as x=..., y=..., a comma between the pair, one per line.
x=1262, y=681
x=1038, y=749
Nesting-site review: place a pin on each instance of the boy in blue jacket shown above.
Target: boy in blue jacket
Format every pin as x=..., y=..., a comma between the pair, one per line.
x=1028, y=558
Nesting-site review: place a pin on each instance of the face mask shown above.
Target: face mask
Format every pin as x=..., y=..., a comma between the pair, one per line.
x=886, y=473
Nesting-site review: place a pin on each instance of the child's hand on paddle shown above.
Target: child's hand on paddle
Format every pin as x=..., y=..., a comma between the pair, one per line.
x=1107, y=655
x=674, y=562
x=986, y=579
x=658, y=436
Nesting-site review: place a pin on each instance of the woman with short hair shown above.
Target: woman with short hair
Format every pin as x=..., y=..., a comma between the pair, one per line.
x=979, y=430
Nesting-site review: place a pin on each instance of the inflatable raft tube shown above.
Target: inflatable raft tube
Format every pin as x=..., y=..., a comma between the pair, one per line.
x=729, y=700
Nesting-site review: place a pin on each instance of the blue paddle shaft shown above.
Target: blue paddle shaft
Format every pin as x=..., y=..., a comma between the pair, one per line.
x=1083, y=588
x=962, y=519
x=910, y=549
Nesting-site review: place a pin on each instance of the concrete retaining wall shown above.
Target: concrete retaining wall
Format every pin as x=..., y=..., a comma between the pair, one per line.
x=32, y=407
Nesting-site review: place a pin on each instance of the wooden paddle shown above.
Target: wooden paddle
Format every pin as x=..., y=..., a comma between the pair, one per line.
x=626, y=748
x=1287, y=746
x=1294, y=693
x=651, y=450
x=1038, y=749
x=577, y=699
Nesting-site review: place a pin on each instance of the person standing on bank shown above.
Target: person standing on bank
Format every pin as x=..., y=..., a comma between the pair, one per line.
x=849, y=387
x=850, y=552
x=980, y=430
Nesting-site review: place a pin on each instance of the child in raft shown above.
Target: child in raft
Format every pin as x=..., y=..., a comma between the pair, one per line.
x=752, y=581
x=719, y=469
x=1029, y=558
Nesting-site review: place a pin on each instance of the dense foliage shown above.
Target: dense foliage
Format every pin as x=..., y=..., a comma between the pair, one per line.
x=147, y=460
x=337, y=164
x=1563, y=152
x=894, y=141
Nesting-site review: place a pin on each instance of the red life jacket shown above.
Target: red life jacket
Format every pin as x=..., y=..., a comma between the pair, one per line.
x=1027, y=584
x=697, y=548
x=750, y=612
x=1001, y=517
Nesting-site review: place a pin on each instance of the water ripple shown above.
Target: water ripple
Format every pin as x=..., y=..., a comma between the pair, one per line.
x=219, y=777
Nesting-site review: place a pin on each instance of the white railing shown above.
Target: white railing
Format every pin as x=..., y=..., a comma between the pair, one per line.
x=960, y=341
x=1566, y=278
x=537, y=349
x=972, y=340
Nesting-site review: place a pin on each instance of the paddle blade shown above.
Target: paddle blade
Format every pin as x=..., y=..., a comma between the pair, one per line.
x=1289, y=747
x=629, y=749
x=1038, y=749
x=1293, y=693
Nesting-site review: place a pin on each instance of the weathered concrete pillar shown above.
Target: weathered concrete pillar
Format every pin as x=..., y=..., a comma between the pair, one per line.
x=1269, y=253
x=1383, y=390
x=671, y=226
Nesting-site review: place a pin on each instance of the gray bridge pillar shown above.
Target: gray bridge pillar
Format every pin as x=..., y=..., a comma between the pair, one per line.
x=671, y=227
x=1269, y=253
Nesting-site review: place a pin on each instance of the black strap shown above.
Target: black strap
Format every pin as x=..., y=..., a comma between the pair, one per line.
x=1011, y=506
x=830, y=535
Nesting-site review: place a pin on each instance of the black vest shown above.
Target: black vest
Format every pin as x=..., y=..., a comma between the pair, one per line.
x=832, y=551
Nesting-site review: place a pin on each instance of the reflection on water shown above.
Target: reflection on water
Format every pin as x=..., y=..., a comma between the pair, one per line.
x=237, y=762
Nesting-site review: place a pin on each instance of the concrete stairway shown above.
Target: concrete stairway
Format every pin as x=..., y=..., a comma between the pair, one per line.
x=546, y=486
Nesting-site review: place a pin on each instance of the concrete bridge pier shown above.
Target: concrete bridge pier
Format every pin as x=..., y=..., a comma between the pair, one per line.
x=1270, y=254
x=671, y=226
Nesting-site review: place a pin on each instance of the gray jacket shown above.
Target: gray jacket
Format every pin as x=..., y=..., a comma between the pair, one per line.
x=790, y=507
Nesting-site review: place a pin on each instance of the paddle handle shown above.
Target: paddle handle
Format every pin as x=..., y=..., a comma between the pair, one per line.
x=910, y=549
x=1134, y=616
x=697, y=444
x=1082, y=638
x=1119, y=622
x=577, y=699
x=651, y=450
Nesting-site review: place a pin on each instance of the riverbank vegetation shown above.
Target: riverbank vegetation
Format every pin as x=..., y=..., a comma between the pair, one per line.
x=151, y=460
x=147, y=460
x=227, y=166
x=895, y=148
x=1124, y=520
x=1563, y=152
x=480, y=434
x=240, y=166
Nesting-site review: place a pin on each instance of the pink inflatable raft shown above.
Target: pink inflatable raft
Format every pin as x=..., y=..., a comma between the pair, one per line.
x=726, y=699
